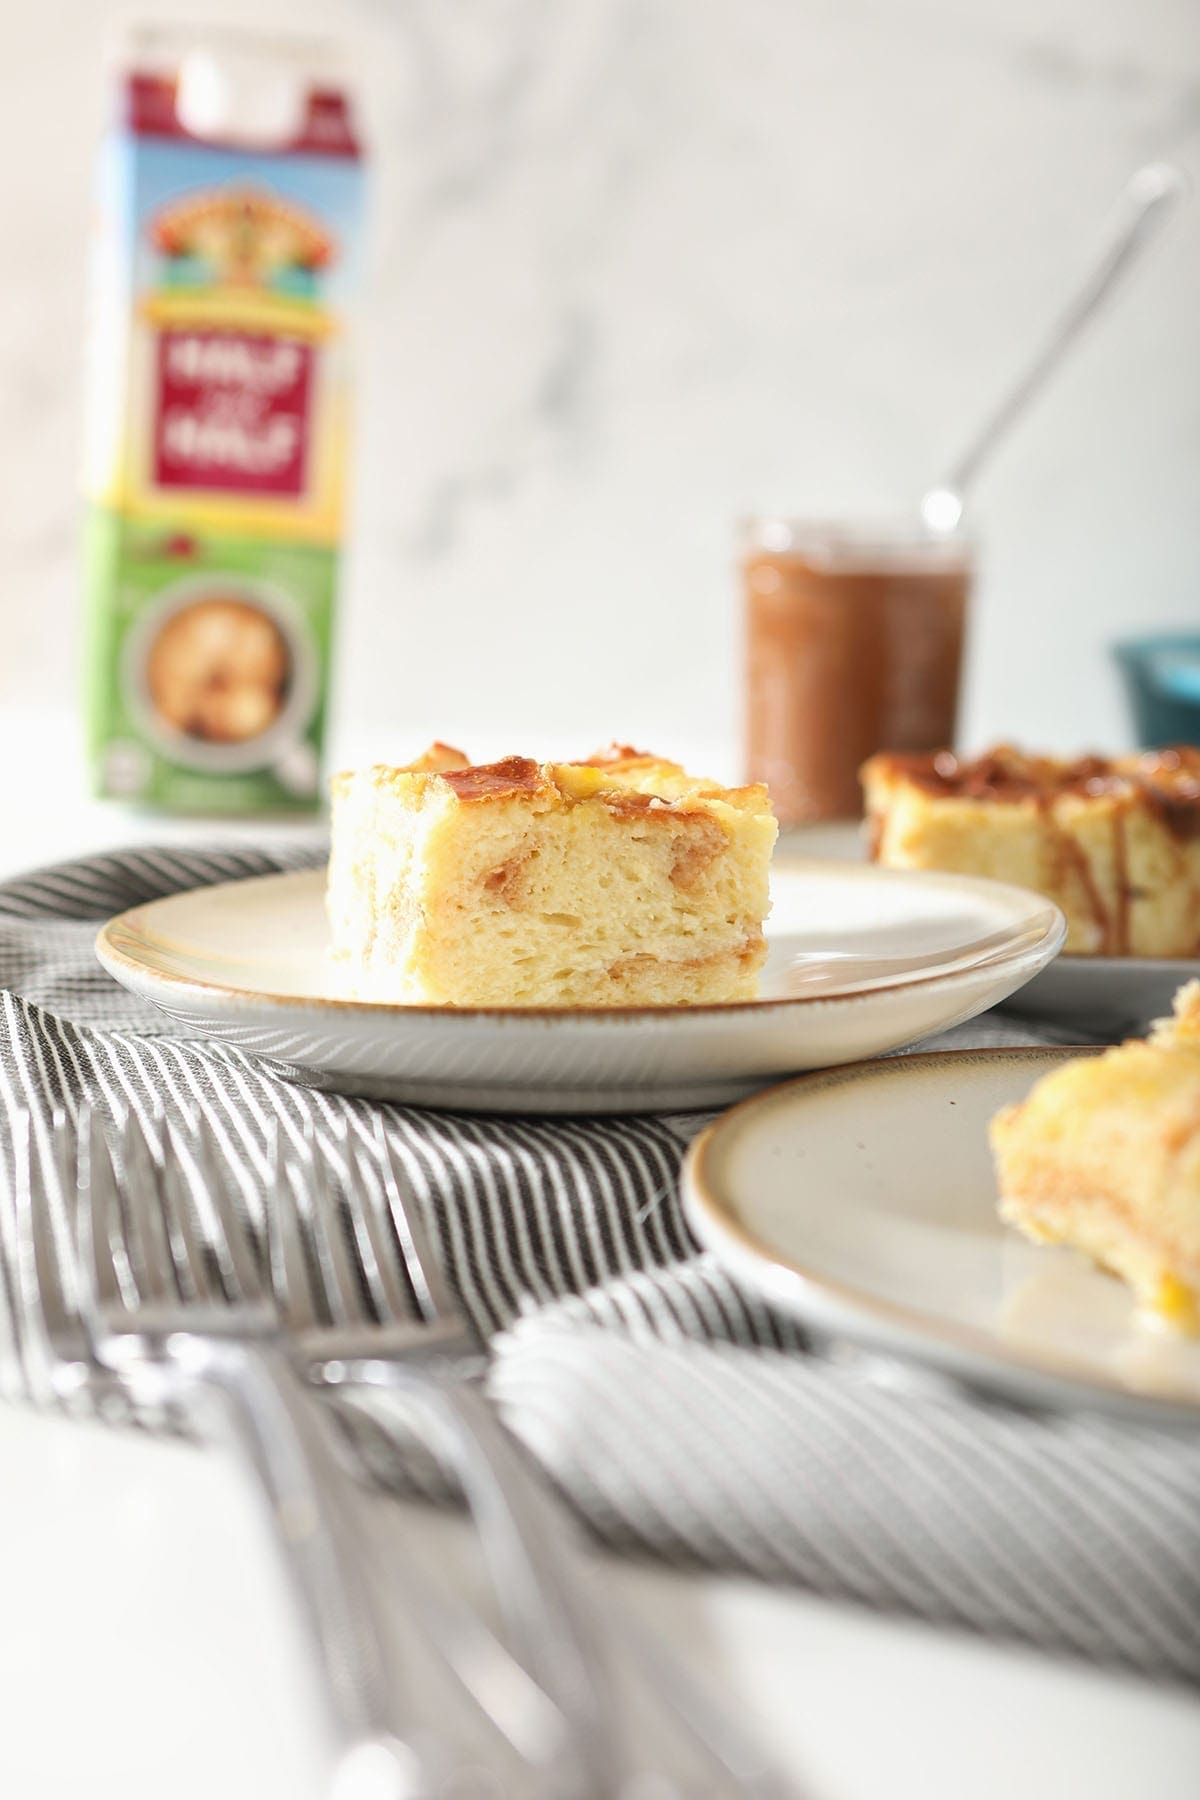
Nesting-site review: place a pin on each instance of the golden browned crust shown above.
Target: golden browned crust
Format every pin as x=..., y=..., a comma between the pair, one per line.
x=497, y=781
x=439, y=759
x=619, y=755
x=608, y=777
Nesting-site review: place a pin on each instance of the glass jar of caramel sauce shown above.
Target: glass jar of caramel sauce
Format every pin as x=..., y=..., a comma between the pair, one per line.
x=854, y=642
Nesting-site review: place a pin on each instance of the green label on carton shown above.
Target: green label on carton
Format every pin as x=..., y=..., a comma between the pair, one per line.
x=206, y=660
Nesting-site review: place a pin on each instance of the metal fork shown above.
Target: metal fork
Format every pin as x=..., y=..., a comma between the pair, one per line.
x=221, y=1270
x=333, y=1315
x=100, y=1315
x=370, y=1340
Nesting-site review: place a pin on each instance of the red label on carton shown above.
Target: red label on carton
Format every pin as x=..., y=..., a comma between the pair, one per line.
x=232, y=411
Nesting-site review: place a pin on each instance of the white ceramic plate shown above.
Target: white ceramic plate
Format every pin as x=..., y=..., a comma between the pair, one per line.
x=863, y=1201
x=248, y=962
x=1116, y=995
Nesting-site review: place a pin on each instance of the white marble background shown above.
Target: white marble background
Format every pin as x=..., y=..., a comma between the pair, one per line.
x=642, y=265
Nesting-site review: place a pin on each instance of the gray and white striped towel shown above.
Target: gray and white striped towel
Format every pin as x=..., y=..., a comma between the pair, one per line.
x=678, y=1414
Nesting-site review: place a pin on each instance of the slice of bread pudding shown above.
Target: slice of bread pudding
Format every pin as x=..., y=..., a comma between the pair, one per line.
x=1105, y=1155
x=1115, y=842
x=619, y=881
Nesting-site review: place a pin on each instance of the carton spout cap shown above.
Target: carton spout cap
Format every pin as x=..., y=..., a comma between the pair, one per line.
x=239, y=95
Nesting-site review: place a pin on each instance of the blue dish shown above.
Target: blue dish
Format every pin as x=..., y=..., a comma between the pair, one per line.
x=1162, y=680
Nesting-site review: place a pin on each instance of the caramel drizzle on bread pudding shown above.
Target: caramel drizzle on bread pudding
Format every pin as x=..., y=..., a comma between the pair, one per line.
x=1168, y=780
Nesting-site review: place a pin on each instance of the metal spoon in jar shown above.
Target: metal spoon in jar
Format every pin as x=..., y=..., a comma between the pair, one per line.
x=1144, y=206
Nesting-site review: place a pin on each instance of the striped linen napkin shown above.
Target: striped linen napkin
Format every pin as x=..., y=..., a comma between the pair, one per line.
x=679, y=1414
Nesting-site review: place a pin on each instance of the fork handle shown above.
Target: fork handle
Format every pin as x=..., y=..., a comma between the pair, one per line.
x=523, y=1536
x=592, y=1627
x=526, y=1548
x=288, y=1442
x=569, y=1631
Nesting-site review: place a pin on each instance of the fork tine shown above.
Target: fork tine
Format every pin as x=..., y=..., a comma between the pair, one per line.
x=149, y=1248
x=180, y=1218
x=38, y=1276
x=291, y=1283
x=63, y=1202
x=106, y=1282
x=376, y=1249
x=416, y=1246
x=12, y=1374
x=234, y=1244
x=319, y=1215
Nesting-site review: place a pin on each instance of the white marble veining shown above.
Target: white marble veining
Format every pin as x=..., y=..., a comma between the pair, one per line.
x=643, y=265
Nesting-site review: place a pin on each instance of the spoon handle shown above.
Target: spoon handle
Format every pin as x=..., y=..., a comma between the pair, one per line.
x=1143, y=207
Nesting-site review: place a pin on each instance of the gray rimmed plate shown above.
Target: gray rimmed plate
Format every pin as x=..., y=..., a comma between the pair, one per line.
x=248, y=962
x=863, y=1201
x=1113, y=995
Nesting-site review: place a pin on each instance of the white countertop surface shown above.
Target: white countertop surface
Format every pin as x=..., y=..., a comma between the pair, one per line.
x=146, y=1647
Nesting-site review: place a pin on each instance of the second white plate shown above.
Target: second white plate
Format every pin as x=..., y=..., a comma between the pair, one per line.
x=248, y=962
x=864, y=1201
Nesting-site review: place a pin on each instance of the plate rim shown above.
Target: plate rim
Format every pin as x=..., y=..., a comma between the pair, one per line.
x=931, y=1343
x=1041, y=953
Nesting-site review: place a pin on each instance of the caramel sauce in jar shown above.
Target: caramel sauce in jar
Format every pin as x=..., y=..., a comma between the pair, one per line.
x=854, y=642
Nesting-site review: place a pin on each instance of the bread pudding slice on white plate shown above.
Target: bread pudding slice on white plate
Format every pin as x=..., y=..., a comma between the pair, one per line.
x=1104, y=1156
x=614, y=882
x=1113, y=841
